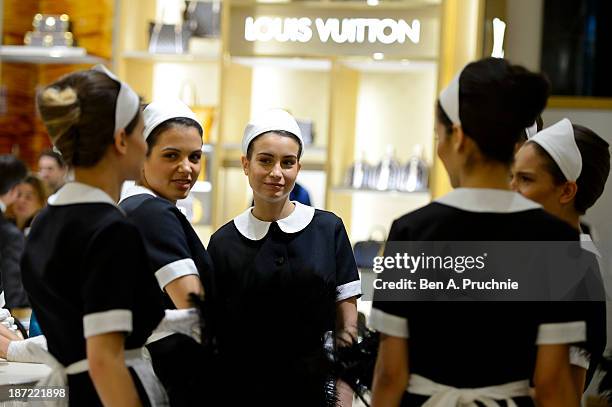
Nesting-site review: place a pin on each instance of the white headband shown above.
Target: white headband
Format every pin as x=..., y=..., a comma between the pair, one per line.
x=449, y=100
x=531, y=130
x=559, y=142
x=159, y=111
x=128, y=102
x=271, y=120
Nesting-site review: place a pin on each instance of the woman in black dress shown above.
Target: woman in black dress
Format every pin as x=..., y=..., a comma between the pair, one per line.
x=287, y=280
x=564, y=168
x=177, y=257
x=449, y=353
x=84, y=265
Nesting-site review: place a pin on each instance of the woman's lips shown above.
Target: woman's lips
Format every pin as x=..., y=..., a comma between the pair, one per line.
x=184, y=185
x=274, y=186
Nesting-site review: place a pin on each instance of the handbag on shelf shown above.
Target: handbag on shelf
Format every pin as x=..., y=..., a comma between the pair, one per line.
x=205, y=114
x=366, y=250
x=168, y=38
x=203, y=18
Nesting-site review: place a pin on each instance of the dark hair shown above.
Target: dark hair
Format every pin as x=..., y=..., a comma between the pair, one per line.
x=497, y=101
x=175, y=122
x=54, y=155
x=523, y=136
x=79, y=112
x=12, y=172
x=595, y=167
x=443, y=118
x=283, y=133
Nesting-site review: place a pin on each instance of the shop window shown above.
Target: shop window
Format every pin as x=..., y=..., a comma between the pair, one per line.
x=576, y=45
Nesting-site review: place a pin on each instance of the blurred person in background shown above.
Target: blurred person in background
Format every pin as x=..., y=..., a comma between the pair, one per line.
x=12, y=172
x=52, y=170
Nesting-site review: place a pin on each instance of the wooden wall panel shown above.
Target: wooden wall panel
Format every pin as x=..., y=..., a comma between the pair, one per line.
x=91, y=25
x=20, y=127
x=18, y=15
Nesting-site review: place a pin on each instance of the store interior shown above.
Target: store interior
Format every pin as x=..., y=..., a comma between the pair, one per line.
x=365, y=103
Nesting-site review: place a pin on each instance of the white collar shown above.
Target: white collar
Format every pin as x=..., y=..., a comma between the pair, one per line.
x=78, y=193
x=487, y=200
x=2, y=206
x=587, y=244
x=133, y=190
x=254, y=229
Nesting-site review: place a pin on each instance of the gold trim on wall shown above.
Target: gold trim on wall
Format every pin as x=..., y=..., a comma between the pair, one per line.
x=579, y=102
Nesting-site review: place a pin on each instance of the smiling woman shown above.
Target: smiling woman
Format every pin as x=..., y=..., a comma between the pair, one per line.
x=286, y=272
x=176, y=255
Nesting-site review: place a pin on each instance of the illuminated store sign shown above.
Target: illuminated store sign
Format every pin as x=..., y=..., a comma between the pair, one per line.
x=290, y=30
x=347, y=30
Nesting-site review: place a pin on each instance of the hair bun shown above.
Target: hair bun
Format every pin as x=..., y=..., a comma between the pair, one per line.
x=55, y=97
x=61, y=110
x=530, y=91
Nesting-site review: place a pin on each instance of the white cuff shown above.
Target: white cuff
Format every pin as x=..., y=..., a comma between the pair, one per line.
x=563, y=332
x=389, y=324
x=348, y=290
x=579, y=357
x=174, y=270
x=18, y=351
x=116, y=320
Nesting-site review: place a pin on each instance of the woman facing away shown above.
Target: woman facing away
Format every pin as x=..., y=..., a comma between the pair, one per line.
x=286, y=278
x=455, y=353
x=84, y=265
x=177, y=258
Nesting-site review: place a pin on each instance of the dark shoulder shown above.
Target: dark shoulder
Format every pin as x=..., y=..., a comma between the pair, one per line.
x=420, y=218
x=548, y=227
x=8, y=229
x=145, y=203
x=227, y=231
x=437, y=221
x=326, y=219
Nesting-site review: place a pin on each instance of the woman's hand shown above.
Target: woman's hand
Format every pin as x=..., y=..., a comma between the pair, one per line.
x=346, y=333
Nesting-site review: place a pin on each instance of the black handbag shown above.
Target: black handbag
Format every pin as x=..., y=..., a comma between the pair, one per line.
x=168, y=38
x=366, y=250
x=203, y=18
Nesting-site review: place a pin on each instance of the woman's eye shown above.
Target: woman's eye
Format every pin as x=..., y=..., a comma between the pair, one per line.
x=195, y=158
x=265, y=161
x=170, y=155
x=289, y=163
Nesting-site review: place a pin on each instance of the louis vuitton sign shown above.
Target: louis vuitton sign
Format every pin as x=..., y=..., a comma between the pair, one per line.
x=284, y=30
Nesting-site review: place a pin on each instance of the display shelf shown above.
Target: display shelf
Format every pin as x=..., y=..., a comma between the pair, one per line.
x=303, y=64
x=146, y=56
x=394, y=194
x=47, y=55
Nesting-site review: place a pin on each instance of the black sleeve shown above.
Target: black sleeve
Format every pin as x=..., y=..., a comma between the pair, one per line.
x=165, y=242
x=117, y=282
x=12, y=244
x=348, y=283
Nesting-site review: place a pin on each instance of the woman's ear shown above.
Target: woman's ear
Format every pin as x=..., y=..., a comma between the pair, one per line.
x=245, y=164
x=568, y=192
x=120, y=141
x=458, y=138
